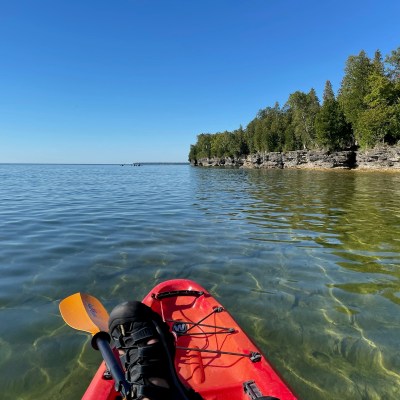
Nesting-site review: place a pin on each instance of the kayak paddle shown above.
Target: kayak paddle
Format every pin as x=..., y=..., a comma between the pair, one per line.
x=85, y=313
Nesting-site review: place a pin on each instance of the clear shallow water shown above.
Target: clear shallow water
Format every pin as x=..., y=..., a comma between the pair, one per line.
x=307, y=261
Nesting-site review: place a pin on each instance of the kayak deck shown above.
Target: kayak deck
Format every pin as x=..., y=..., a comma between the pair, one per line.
x=213, y=354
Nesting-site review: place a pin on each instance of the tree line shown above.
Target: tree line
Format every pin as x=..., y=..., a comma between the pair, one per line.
x=365, y=112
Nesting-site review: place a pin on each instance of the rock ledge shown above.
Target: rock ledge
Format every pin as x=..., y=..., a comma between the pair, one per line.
x=385, y=157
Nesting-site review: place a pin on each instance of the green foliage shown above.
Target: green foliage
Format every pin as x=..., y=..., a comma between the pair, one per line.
x=193, y=152
x=380, y=121
x=368, y=97
x=328, y=92
x=224, y=145
x=203, y=145
x=267, y=131
x=250, y=137
x=366, y=112
x=379, y=125
x=238, y=143
x=305, y=107
x=377, y=63
x=332, y=130
x=355, y=86
x=393, y=65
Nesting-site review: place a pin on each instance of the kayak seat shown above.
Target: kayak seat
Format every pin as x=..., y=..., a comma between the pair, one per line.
x=147, y=349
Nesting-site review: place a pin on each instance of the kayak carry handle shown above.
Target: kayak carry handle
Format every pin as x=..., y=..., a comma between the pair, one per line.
x=176, y=293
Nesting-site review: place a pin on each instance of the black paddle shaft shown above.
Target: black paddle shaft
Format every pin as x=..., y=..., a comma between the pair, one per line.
x=101, y=341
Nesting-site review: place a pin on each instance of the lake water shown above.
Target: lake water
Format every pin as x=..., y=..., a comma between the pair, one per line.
x=308, y=262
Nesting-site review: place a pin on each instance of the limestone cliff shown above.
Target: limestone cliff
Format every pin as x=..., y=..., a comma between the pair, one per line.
x=384, y=157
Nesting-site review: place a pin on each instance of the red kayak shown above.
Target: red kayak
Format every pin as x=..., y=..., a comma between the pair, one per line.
x=214, y=356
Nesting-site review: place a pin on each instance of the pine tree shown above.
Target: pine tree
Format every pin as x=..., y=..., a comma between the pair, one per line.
x=328, y=92
x=377, y=63
x=332, y=130
x=393, y=65
x=380, y=121
x=355, y=86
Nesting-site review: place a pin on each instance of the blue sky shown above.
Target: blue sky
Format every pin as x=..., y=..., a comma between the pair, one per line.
x=84, y=81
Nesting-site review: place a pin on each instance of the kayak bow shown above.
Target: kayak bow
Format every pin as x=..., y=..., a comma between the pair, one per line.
x=214, y=356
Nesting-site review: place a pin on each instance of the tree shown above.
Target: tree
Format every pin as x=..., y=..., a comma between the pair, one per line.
x=239, y=142
x=392, y=71
x=380, y=121
x=332, y=130
x=377, y=63
x=250, y=136
x=328, y=92
x=393, y=65
x=193, y=152
x=259, y=135
x=305, y=107
x=367, y=109
x=290, y=142
x=204, y=145
x=277, y=129
x=355, y=87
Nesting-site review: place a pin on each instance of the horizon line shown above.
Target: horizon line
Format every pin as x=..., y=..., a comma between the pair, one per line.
x=77, y=163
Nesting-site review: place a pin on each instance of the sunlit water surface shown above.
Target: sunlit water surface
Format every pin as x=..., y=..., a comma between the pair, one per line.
x=307, y=261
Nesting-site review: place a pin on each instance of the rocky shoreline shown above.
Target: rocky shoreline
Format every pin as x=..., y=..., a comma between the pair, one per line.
x=382, y=158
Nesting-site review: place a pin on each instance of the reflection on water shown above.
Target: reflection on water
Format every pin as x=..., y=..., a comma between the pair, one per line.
x=307, y=262
x=345, y=296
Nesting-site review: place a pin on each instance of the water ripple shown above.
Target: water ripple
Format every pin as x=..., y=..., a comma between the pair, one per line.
x=307, y=261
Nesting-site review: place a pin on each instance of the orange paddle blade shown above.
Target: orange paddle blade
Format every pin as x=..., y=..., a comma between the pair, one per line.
x=85, y=313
